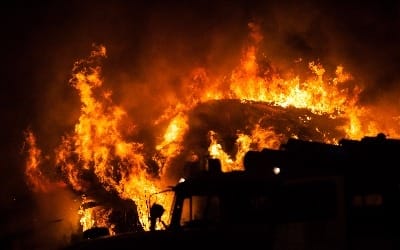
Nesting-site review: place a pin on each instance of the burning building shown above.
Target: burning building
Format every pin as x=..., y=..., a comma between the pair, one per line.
x=116, y=163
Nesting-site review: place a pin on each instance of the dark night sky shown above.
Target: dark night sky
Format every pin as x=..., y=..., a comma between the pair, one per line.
x=41, y=40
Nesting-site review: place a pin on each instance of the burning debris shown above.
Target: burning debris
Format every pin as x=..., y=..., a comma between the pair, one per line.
x=254, y=108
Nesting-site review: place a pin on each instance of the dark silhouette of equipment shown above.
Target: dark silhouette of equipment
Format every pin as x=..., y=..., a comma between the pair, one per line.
x=369, y=179
x=95, y=232
x=369, y=156
x=324, y=196
x=156, y=211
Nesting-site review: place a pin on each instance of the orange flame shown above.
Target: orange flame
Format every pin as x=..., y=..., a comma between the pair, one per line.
x=97, y=145
x=35, y=178
x=171, y=146
x=94, y=216
x=260, y=138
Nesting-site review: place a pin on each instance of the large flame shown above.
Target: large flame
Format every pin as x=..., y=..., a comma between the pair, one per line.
x=96, y=152
x=97, y=147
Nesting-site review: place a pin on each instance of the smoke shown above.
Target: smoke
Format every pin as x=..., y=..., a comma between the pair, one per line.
x=55, y=219
x=176, y=38
x=359, y=36
x=153, y=46
x=48, y=221
x=185, y=37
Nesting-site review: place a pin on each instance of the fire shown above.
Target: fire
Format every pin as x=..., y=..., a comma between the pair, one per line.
x=94, y=216
x=170, y=147
x=260, y=138
x=216, y=151
x=34, y=175
x=96, y=155
x=249, y=82
x=97, y=148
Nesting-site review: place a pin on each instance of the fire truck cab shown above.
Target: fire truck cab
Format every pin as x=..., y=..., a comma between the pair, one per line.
x=305, y=195
x=254, y=209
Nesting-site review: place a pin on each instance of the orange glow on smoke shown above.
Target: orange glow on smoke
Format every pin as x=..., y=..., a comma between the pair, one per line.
x=97, y=145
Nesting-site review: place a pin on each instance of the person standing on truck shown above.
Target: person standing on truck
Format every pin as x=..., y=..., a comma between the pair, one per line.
x=156, y=211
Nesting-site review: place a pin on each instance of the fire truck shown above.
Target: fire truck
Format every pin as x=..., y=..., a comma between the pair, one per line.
x=304, y=195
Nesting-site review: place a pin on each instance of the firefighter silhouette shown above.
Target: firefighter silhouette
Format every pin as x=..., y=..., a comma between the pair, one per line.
x=156, y=211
